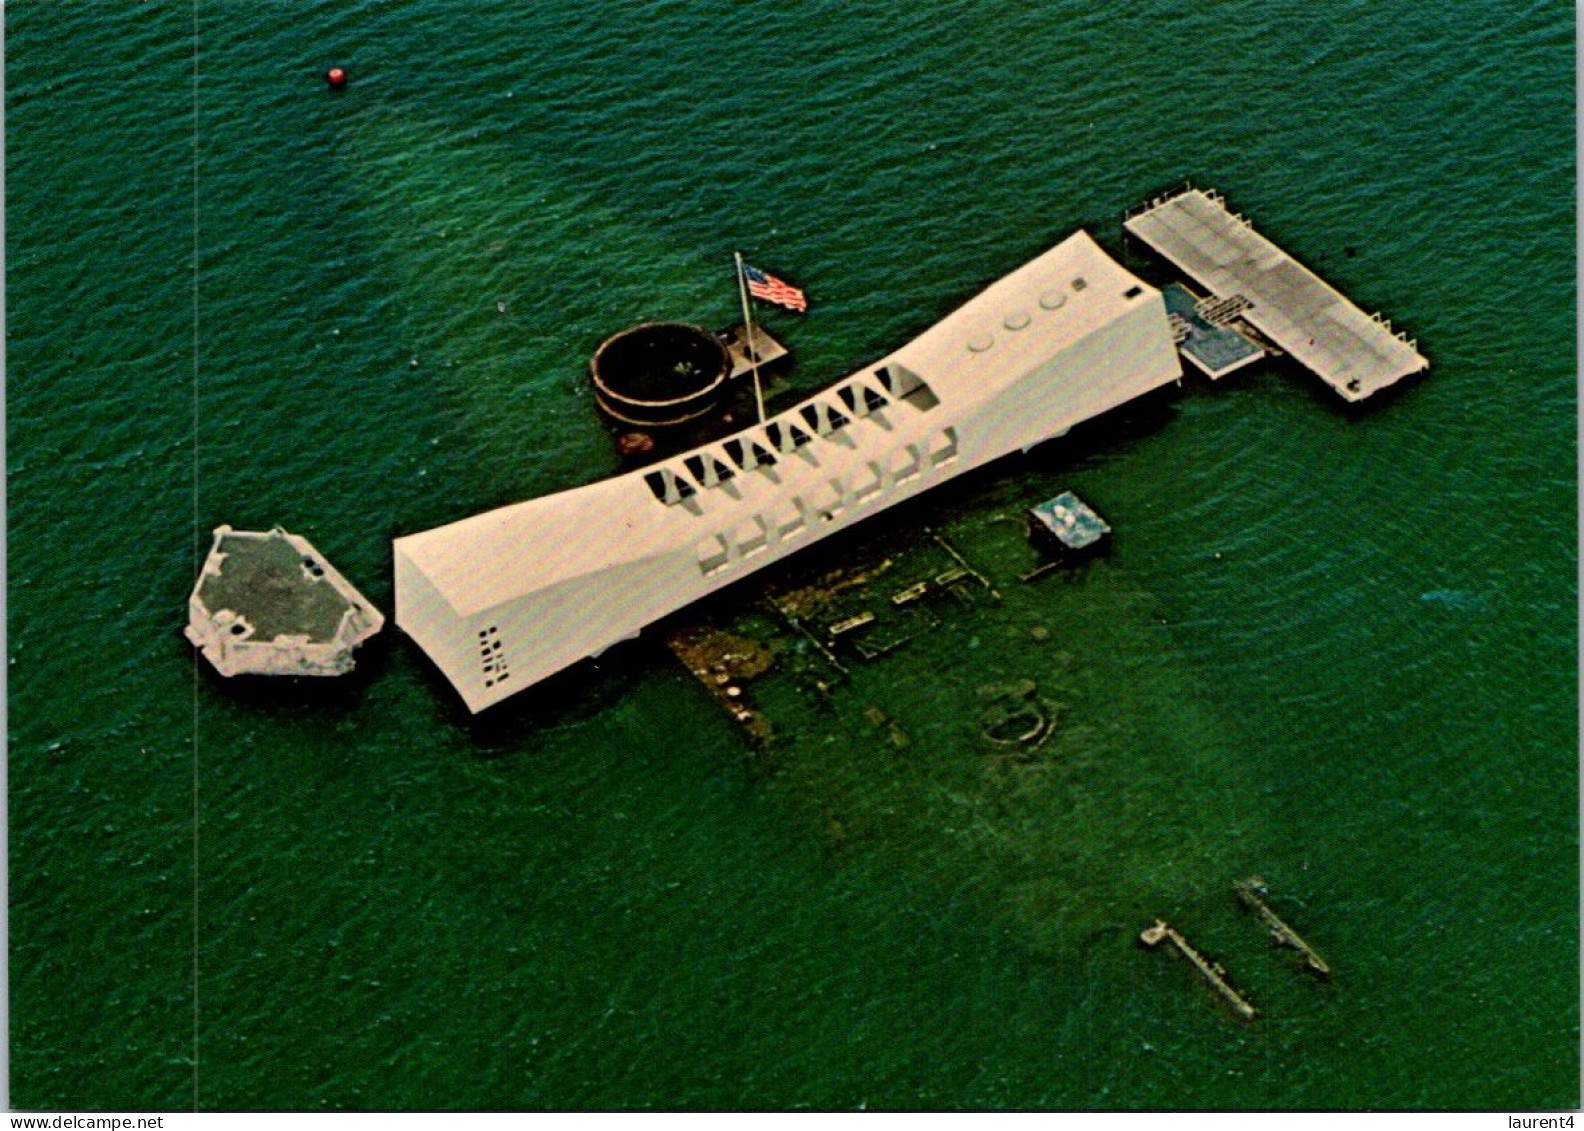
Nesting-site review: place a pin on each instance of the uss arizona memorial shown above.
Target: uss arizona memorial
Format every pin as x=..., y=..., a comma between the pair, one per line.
x=503, y=599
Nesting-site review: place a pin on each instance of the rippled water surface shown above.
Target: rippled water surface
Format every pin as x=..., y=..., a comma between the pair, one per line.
x=1334, y=648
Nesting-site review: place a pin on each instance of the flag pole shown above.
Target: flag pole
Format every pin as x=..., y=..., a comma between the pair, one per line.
x=748, y=346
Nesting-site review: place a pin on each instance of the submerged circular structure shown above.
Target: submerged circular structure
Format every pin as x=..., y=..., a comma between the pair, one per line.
x=660, y=373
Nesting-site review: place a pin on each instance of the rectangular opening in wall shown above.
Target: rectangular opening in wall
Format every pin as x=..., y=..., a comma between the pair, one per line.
x=776, y=433
x=905, y=385
x=705, y=469
x=787, y=436
x=860, y=399
x=867, y=481
x=712, y=555
x=667, y=486
x=492, y=657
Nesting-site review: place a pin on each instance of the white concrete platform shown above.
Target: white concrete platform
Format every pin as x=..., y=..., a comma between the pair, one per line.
x=268, y=603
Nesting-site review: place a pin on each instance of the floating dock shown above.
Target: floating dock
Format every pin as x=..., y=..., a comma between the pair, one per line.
x=269, y=604
x=1067, y=524
x=1357, y=354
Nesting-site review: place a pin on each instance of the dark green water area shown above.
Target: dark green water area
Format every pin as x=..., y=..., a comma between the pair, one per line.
x=1337, y=648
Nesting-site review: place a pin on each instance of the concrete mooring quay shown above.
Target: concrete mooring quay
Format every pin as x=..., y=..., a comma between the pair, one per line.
x=1357, y=354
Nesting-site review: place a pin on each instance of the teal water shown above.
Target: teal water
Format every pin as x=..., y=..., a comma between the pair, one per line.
x=1339, y=649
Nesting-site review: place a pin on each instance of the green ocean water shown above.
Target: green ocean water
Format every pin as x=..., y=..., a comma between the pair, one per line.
x=1337, y=648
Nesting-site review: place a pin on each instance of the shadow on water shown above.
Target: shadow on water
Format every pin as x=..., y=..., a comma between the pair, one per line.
x=1144, y=792
x=1287, y=371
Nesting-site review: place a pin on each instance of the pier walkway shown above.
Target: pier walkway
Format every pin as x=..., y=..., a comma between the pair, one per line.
x=1357, y=354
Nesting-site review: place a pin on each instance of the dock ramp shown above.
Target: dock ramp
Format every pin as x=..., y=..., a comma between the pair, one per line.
x=1357, y=354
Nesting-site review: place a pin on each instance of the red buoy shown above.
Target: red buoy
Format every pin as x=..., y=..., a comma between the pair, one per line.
x=337, y=78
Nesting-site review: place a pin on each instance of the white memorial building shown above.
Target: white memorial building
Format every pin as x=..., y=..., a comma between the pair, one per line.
x=503, y=599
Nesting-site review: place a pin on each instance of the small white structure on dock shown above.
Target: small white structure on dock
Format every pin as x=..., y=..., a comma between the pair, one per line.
x=1357, y=354
x=269, y=604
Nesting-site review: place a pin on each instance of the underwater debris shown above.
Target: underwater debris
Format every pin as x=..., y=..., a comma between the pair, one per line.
x=851, y=624
x=967, y=569
x=1212, y=972
x=1251, y=893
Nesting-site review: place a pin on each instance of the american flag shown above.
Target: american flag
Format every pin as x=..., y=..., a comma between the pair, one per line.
x=771, y=289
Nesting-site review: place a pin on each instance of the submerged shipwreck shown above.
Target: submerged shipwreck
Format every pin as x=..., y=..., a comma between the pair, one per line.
x=268, y=603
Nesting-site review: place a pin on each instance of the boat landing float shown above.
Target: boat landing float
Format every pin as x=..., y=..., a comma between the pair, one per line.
x=269, y=604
